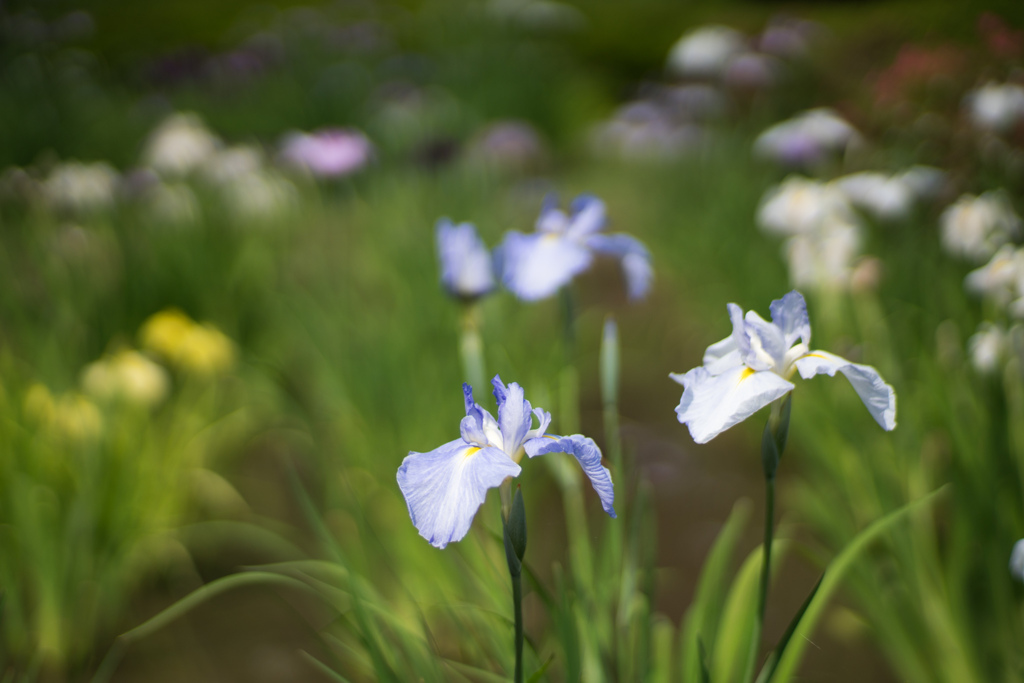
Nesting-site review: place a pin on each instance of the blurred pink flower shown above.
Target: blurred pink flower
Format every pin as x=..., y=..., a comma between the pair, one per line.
x=329, y=152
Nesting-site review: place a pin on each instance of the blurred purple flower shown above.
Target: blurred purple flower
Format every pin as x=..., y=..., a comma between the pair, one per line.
x=329, y=152
x=467, y=269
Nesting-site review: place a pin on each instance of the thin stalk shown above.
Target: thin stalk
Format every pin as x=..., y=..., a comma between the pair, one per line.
x=517, y=604
x=471, y=347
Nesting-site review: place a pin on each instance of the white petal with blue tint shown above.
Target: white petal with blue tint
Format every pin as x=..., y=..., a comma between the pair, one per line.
x=713, y=403
x=514, y=415
x=790, y=314
x=722, y=356
x=589, y=456
x=587, y=216
x=879, y=397
x=467, y=268
x=444, y=488
x=538, y=265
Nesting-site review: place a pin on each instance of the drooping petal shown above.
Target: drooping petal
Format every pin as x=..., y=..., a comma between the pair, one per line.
x=635, y=259
x=514, y=417
x=444, y=488
x=712, y=403
x=589, y=457
x=878, y=397
x=536, y=266
x=472, y=430
x=790, y=314
x=722, y=356
x=587, y=216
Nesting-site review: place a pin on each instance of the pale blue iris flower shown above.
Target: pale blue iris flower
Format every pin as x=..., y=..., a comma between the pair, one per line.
x=467, y=267
x=751, y=368
x=445, y=487
x=536, y=265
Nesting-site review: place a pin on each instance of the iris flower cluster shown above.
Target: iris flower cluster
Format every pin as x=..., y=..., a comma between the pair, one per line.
x=534, y=266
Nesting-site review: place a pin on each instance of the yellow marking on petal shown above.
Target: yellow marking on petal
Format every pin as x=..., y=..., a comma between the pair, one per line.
x=470, y=451
x=747, y=372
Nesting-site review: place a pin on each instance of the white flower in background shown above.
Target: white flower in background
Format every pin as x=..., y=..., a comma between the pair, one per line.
x=172, y=203
x=800, y=205
x=126, y=375
x=1001, y=279
x=996, y=107
x=825, y=258
x=974, y=227
x=226, y=165
x=1017, y=560
x=987, y=347
x=926, y=182
x=807, y=139
x=886, y=198
x=705, y=52
x=259, y=196
x=78, y=186
x=179, y=145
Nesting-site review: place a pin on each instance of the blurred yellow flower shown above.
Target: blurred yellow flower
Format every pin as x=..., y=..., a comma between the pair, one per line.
x=77, y=418
x=200, y=349
x=127, y=375
x=39, y=404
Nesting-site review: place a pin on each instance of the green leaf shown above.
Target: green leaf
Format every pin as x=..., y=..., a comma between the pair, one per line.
x=539, y=673
x=790, y=659
x=702, y=617
x=773, y=659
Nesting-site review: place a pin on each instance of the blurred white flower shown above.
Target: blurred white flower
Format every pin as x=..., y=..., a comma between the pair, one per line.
x=926, y=182
x=179, y=145
x=225, y=165
x=1017, y=560
x=887, y=198
x=987, y=347
x=327, y=153
x=1001, y=279
x=824, y=259
x=78, y=186
x=974, y=227
x=705, y=52
x=807, y=139
x=996, y=107
x=800, y=205
x=259, y=196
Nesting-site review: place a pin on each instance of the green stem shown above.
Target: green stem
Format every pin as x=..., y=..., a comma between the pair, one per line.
x=769, y=529
x=517, y=603
x=471, y=347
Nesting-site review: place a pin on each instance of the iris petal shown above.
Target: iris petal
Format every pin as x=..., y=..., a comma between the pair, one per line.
x=790, y=314
x=589, y=456
x=536, y=266
x=514, y=418
x=635, y=258
x=444, y=488
x=712, y=403
x=878, y=397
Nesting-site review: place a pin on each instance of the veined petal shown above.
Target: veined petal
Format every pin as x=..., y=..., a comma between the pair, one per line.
x=635, y=259
x=544, y=417
x=767, y=344
x=713, y=403
x=589, y=456
x=536, y=266
x=514, y=417
x=878, y=397
x=790, y=314
x=444, y=488
x=722, y=356
x=586, y=216
x=478, y=426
